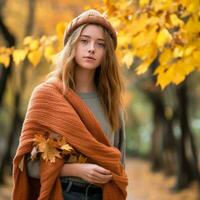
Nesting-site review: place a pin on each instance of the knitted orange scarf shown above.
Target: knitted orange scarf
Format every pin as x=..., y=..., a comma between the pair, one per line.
x=67, y=115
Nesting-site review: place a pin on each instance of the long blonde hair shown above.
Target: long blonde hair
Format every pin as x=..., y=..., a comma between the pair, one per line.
x=107, y=78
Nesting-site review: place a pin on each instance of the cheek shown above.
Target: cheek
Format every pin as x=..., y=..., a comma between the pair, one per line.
x=102, y=55
x=78, y=52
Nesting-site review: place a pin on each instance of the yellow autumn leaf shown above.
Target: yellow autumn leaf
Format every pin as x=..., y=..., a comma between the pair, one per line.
x=175, y=21
x=34, y=57
x=188, y=51
x=34, y=44
x=163, y=37
x=5, y=59
x=193, y=6
x=128, y=59
x=19, y=55
x=196, y=57
x=188, y=64
x=162, y=80
x=165, y=56
x=178, y=78
x=47, y=147
x=143, y=67
x=178, y=52
x=49, y=152
x=143, y=3
x=147, y=51
x=48, y=53
x=139, y=23
x=193, y=25
x=160, y=69
x=82, y=159
x=27, y=40
x=66, y=149
x=175, y=74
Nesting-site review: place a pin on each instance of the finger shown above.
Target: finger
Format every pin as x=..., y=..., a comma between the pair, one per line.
x=102, y=170
x=95, y=180
x=100, y=178
x=103, y=176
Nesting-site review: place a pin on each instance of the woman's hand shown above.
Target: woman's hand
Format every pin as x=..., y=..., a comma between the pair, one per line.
x=95, y=174
x=91, y=173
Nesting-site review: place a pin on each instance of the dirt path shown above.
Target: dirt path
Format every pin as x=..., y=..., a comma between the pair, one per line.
x=143, y=184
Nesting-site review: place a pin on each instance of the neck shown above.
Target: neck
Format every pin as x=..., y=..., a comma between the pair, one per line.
x=84, y=80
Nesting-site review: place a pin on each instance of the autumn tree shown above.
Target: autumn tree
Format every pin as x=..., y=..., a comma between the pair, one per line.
x=165, y=31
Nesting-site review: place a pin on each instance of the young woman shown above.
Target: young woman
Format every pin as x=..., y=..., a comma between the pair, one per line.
x=80, y=104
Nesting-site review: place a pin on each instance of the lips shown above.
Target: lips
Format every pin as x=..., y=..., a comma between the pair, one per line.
x=89, y=58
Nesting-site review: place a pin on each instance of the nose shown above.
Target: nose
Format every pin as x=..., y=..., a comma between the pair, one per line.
x=91, y=48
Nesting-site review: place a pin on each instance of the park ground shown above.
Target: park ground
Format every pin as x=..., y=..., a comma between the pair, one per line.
x=143, y=184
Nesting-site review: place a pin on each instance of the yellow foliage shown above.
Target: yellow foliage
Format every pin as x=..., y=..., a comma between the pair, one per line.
x=128, y=59
x=193, y=6
x=34, y=57
x=19, y=55
x=165, y=56
x=50, y=146
x=196, y=58
x=163, y=37
x=49, y=53
x=175, y=21
x=27, y=40
x=34, y=44
x=193, y=25
x=143, y=3
x=5, y=60
x=165, y=28
x=178, y=52
x=47, y=148
x=5, y=54
x=163, y=80
x=143, y=67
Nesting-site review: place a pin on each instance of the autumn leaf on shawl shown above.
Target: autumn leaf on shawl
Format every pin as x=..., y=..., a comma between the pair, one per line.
x=52, y=145
x=82, y=159
x=47, y=147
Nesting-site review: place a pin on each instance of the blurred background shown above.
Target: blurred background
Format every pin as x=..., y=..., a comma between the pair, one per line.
x=159, y=54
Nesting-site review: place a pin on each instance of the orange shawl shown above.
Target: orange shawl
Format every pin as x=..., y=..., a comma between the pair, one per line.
x=67, y=115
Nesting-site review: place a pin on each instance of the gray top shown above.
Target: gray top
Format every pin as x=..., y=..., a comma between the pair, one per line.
x=116, y=139
x=92, y=101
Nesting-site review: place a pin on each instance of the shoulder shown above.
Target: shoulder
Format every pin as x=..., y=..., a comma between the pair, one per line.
x=44, y=89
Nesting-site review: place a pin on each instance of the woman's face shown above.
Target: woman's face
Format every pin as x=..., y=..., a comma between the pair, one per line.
x=90, y=48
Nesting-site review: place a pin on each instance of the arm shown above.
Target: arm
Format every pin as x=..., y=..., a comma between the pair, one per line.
x=89, y=172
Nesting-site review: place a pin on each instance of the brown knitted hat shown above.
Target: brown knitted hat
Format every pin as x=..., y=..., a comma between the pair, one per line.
x=90, y=17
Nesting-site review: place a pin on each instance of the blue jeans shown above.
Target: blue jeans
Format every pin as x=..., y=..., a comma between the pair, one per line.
x=75, y=190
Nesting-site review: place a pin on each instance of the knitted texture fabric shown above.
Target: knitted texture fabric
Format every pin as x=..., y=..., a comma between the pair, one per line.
x=50, y=110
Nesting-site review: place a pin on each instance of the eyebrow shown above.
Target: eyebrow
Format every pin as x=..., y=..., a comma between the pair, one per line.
x=87, y=36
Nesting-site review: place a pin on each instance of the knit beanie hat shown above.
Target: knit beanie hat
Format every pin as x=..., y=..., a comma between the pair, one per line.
x=90, y=17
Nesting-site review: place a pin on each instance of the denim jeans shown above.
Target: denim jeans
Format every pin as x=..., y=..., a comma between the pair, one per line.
x=74, y=190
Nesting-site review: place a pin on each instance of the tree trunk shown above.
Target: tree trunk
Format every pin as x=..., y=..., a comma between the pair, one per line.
x=17, y=120
x=163, y=148
x=5, y=72
x=187, y=164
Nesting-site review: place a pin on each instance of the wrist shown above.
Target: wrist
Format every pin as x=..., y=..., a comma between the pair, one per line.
x=71, y=169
